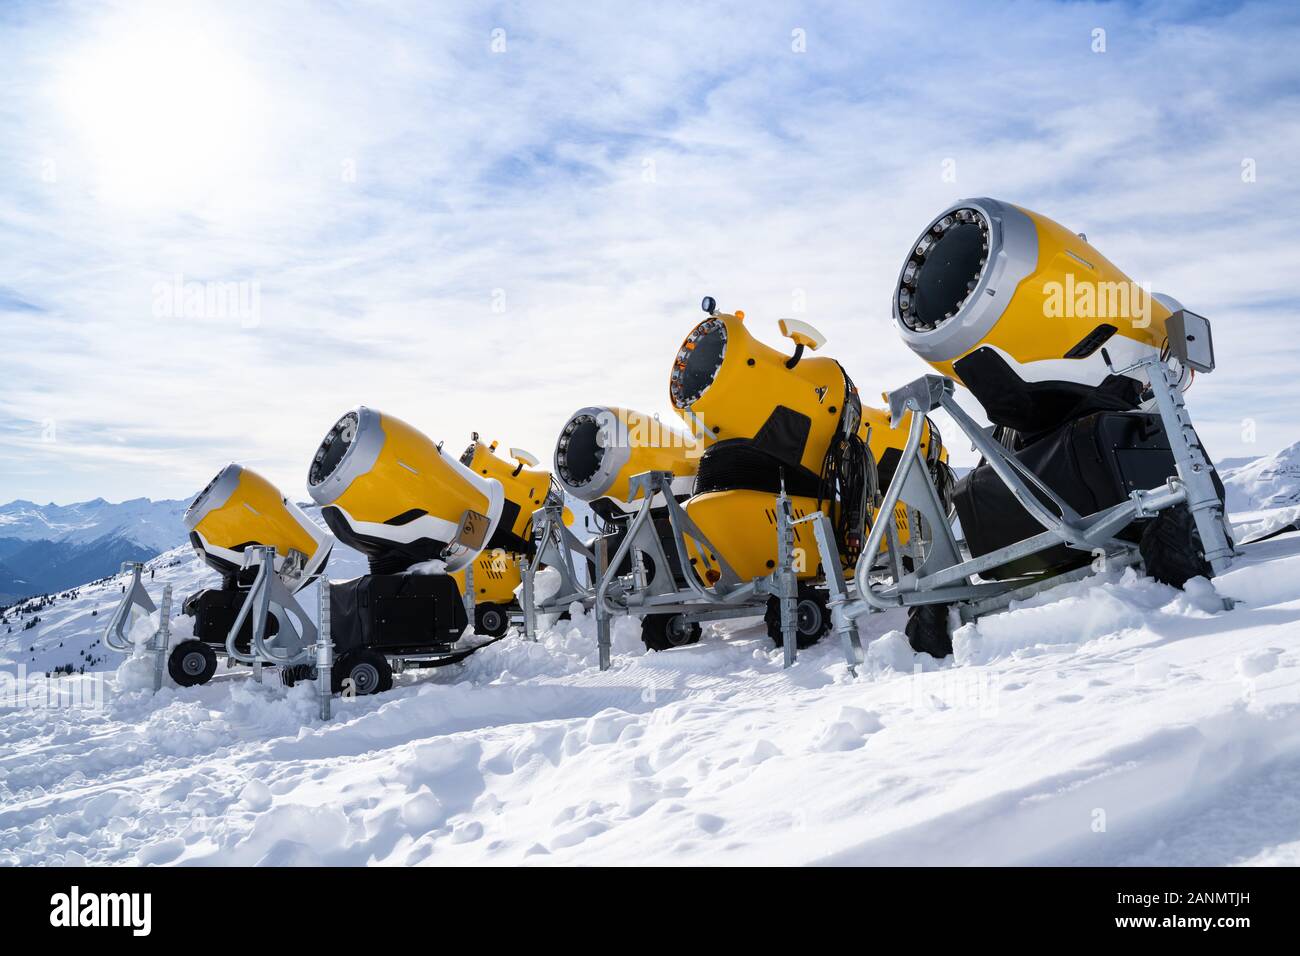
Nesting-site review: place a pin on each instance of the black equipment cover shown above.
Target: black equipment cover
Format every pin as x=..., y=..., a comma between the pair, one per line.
x=1091, y=463
x=397, y=613
x=214, y=611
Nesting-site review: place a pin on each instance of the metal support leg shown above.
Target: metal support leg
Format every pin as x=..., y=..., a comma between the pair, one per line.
x=162, y=638
x=469, y=593
x=787, y=585
x=915, y=540
x=324, y=652
x=602, y=635
x=844, y=623
x=530, y=604
x=893, y=546
x=117, y=634
x=602, y=612
x=1193, y=468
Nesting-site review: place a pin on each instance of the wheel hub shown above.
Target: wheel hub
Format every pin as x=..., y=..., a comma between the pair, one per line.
x=678, y=630
x=193, y=663
x=365, y=678
x=809, y=617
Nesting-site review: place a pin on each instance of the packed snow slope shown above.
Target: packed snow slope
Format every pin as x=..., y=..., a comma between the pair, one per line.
x=1112, y=721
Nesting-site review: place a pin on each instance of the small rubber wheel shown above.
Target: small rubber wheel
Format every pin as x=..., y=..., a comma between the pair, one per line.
x=659, y=632
x=191, y=663
x=298, y=672
x=927, y=630
x=491, y=620
x=362, y=672
x=1171, y=548
x=812, y=617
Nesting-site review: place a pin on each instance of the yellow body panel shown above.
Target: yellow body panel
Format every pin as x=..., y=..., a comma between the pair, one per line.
x=255, y=513
x=526, y=487
x=653, y=446
x=753, y=379
x=496, y=576
x=409, y=473
x=741, y=525
x=1038, y=324
x=883, y=438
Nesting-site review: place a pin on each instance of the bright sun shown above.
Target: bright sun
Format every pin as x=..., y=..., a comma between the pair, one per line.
x=165, y=111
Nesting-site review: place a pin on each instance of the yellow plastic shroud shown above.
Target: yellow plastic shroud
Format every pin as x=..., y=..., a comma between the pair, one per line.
x=526, y=487
x=496, y=576
x=256, y=513
x=410, y=473
x=651, y=446
x=1072, y=289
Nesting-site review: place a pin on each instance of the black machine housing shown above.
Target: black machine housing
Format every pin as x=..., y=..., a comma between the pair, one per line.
x=397, y=614
x=214, y=611
x=1091, y=463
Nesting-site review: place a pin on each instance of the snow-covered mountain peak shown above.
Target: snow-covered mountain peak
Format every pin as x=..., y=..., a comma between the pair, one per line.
x=1272, y=481
x=155, y=525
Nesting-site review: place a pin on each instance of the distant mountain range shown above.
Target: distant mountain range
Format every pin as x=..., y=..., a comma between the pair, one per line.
x=1255, y=484
x=46, y=548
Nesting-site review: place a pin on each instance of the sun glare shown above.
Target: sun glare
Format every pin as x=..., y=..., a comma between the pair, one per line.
x=165, y=111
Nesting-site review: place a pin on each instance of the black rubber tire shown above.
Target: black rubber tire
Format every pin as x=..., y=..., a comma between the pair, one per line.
x=812, y=614
x=927, y=630
x=368, y=671
x=192, y=663
x=491, y=620
x=298, y=672
x=659, y=632
x=1171, y=548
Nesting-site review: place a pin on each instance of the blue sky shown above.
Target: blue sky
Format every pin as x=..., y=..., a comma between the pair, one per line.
x=482, y=217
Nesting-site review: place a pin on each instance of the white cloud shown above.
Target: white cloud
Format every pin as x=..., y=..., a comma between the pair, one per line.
x=601, y=174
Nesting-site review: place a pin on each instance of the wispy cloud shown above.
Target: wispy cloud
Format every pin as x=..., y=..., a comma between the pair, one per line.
x=482, y=217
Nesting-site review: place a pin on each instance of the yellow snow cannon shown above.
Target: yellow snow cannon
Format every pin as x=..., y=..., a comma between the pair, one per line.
x=496, y=575
x=390, y=492
x=886, y=444
x=496, y=572
x=236, y=515
x=602, y=447
x=767, y=417
x=728, y=386
x=239, y=509
x=525, y=487
x=1081, y=370
x=770, y=420
x=599, y=451
x=419, y=514
x=1018, y=308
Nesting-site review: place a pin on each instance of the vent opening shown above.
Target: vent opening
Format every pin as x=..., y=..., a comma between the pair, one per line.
x=333, y=448
x=579, y=452
x=697, y=362
x=944, y=268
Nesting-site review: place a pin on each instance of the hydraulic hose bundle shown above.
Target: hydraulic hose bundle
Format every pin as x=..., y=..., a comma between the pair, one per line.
x=848, y=477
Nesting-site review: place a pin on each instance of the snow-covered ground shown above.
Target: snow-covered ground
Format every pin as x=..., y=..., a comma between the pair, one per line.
x=1111, y=721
